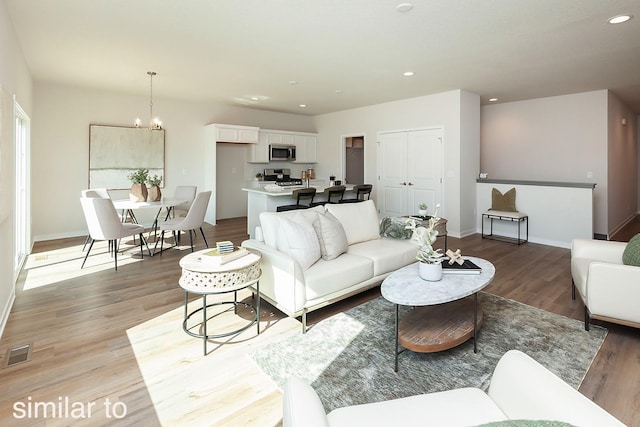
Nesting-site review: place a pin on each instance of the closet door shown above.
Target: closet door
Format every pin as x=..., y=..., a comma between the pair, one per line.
x=410, y=171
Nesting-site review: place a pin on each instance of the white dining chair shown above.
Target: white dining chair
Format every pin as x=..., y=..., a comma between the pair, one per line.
x=104, y=224
x=193, y=221
x=101, y=193
x=183, y=192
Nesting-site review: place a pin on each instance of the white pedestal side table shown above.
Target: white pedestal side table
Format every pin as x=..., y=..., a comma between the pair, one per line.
x=442, y=316
x=203, y=277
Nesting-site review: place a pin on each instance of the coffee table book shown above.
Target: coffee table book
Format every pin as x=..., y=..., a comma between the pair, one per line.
x=468, y=267
x=214, y=256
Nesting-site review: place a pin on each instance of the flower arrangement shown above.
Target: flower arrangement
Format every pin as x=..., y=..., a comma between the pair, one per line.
x=422, y=206
x=139, y=177
x=425, y=237
x=155, y=181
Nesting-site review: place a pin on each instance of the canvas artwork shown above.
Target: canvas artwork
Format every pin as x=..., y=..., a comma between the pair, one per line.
x=117, y=151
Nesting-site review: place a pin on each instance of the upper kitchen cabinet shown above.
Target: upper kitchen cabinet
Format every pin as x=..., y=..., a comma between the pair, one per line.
x=235, y=133
x=306, y=148
x=305, y=144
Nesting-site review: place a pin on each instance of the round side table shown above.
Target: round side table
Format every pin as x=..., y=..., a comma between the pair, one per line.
x=203, y=277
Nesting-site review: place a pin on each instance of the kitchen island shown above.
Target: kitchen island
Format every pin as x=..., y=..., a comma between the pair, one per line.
x=261, y=198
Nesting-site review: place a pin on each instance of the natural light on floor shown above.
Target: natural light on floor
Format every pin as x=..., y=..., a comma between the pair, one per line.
x=51, y=267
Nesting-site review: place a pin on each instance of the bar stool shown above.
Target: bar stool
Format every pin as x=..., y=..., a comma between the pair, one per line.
x=300, y=195
x=334, y=195
x=361, y=190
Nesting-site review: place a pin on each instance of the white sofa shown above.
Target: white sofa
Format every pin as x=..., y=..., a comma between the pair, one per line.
x=352, y=258
x=520, y=389
x=609, y=289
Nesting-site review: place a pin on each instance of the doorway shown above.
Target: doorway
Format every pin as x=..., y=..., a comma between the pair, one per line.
x=354, y=160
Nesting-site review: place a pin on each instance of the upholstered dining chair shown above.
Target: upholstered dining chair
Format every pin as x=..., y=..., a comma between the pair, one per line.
x=100, y=193
x=183, y=192
x=193, y=221
x=104, y=224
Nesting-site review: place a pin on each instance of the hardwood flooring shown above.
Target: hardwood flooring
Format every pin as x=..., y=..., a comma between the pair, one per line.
x=112, y=342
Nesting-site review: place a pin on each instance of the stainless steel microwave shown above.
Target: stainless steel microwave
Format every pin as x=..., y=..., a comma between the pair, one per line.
x=285, y=153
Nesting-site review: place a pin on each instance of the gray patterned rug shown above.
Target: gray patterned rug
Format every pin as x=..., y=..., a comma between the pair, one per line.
x=348, y=358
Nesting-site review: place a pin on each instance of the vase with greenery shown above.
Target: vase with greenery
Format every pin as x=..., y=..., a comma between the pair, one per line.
x=422, y=209
x=138, y=192
x=430, y=266
x=154, y=188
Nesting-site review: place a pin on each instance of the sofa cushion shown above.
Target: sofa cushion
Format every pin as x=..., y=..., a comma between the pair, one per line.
x=326, y=277
x=459, y=407
x=503, y=202
x=298, y=239
x=270, y=222
x=387, y=254
x=360, y=220
x=331, y=235
x=631, y=254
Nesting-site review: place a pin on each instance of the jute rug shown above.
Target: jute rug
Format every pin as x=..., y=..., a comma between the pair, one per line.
x=348, y=358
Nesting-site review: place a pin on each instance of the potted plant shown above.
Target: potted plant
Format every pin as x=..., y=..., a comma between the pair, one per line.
x=138, y=192
x=258, y=176
x=422, y=209
x=154, y=188
x=430, y=265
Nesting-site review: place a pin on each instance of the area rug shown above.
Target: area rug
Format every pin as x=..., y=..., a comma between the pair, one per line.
x=348, y=358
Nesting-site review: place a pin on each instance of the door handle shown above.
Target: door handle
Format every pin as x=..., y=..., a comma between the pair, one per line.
x=403, y=183
x=411, y=183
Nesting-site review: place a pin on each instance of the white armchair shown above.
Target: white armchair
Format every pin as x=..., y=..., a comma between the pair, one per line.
x=609, y=289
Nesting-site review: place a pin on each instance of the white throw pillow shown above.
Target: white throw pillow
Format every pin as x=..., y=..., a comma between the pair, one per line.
x=359, y=220
x=331, y=236
x=297, y=238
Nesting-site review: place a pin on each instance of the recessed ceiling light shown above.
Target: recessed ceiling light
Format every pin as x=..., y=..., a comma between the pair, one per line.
x=293, y=82
x=303, y=105
x=404, y=7
x=408, y=73
x=620, y=19
x=338, y=91
x=254, y=98
x=493, y=99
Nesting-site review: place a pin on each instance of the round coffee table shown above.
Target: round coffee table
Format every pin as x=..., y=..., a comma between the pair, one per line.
x=443, y=317
x=202, y=277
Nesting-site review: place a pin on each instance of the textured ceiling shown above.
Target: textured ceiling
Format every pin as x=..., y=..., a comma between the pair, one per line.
x=342, y=53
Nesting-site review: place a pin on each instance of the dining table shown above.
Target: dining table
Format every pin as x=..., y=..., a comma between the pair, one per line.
x=128, y=208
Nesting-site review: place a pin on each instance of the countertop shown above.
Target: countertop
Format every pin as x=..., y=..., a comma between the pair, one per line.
x=288, y=191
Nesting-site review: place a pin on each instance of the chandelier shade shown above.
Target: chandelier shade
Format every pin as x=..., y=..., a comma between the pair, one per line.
x=154, y=122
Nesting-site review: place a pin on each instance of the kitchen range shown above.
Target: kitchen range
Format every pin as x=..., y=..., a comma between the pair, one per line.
x=282, y=177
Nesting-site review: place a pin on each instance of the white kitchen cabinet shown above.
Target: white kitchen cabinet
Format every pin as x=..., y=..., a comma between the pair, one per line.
x=306, y=148
x=304, y=142
x=259, y=153
x=235, y=133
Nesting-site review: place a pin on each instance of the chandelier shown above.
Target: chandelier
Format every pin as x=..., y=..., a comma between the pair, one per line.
x=154, y=122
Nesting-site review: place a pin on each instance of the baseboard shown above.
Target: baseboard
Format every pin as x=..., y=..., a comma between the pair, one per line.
x=45, y=237
x=623, y=225
x=6, y=310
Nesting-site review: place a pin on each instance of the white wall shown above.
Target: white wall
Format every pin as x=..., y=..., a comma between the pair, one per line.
x=455, y=111
x=560, y=138
x=14, y=79
x=622, y=164
x=60, y=145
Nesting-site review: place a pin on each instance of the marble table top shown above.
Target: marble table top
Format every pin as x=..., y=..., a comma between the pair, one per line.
x=405, y=287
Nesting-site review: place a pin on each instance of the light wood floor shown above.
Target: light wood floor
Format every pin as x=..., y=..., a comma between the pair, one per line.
x=114, y=339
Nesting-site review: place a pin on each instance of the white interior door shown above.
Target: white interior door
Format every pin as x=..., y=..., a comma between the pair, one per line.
x=424, y=169
x=410, y=171
x=392, y=160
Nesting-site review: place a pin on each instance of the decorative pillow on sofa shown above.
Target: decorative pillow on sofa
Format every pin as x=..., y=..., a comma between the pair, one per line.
x=631, y=254
x=503, y=202
x=331, y=235
x=395, y=228
x=298, y=239
x=359, y=220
